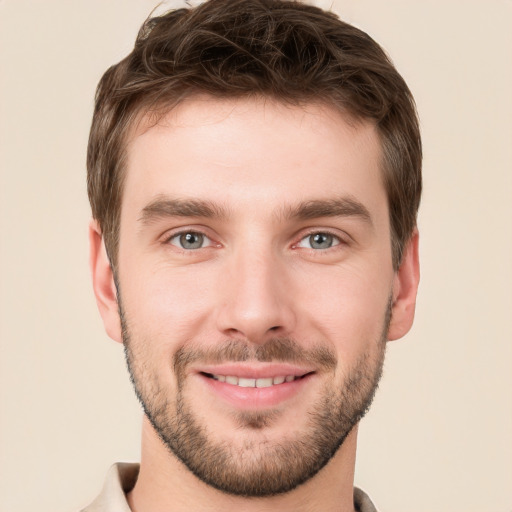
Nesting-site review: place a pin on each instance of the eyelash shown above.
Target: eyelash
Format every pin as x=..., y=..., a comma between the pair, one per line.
x=168, y=239
x=336, y=238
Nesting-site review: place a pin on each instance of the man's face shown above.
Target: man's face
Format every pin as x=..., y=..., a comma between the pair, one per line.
x=255, y=282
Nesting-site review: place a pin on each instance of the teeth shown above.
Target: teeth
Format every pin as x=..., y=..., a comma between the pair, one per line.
x=264, y=383
x=254, y=383
x=246, y=383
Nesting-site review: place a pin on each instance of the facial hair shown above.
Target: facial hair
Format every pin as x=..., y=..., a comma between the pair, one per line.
x=258, y=468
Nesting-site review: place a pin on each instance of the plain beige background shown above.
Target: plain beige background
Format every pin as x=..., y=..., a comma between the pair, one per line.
x=439, y=436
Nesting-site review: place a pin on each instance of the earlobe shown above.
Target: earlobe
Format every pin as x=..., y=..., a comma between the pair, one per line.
x=405, y=288
x=103, y=283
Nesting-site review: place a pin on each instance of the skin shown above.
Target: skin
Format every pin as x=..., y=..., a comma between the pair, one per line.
x=256, y=277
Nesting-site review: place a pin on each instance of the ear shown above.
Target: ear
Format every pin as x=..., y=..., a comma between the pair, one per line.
x=103, y=283
x=405, y=287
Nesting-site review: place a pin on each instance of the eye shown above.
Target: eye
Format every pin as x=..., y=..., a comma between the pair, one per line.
x=319, y=241
x=190, y=240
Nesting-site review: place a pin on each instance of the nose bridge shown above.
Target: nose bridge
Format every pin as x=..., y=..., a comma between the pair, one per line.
x=256, y=302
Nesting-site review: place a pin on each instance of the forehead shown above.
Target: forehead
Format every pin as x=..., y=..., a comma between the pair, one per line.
x=245, y=151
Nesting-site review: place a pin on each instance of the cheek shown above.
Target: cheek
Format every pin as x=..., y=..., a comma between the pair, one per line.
x=168, y=304
x=347, y=307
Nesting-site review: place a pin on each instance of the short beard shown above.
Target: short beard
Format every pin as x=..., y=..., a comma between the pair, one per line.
x=258, y=468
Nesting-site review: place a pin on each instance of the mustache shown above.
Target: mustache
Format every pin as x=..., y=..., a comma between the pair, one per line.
x=274, y=350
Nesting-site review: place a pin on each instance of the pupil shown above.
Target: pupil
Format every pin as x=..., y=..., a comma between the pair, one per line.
x=321, y=241
x=191, y=240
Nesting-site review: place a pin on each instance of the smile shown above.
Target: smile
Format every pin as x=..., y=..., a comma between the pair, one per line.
x=254, y=383
x=253, y=387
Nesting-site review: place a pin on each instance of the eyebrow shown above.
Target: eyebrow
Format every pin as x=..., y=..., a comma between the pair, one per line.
x=163, y=207
x=338, y=207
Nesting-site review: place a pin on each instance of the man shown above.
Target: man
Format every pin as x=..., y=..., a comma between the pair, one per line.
x=254, y=171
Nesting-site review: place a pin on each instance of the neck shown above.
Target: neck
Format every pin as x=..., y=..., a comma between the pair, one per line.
x=165, y=484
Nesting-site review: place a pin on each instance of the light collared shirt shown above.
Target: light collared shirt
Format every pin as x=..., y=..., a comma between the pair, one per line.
x=121, y=479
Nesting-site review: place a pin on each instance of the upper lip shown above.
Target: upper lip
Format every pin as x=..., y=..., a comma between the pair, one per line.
x=255, y=370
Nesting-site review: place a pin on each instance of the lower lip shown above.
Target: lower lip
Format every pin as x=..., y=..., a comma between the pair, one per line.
x=256, y=398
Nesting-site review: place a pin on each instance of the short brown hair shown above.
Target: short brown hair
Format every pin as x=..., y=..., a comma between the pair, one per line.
x=282, y=49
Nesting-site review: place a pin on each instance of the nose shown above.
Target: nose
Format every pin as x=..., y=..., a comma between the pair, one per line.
x=256, y=303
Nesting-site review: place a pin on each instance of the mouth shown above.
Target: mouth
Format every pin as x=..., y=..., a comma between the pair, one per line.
x=248, y=387
x=262, y=382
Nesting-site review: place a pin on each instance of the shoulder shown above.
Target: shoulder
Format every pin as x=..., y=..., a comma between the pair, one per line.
x=362, y=503
x=120, y=479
